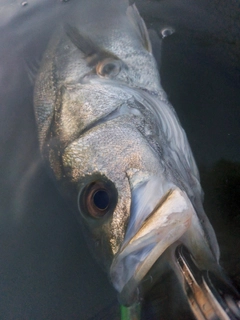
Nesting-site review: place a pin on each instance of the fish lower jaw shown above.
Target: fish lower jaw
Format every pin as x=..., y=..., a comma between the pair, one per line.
x=163, y=229
x=133, y=289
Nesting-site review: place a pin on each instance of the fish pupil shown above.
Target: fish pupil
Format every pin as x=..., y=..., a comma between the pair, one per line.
x=101, y=199
x=109, y=68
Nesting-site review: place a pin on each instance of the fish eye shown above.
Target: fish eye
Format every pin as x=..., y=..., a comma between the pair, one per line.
x=108, y=67
x=97, y=199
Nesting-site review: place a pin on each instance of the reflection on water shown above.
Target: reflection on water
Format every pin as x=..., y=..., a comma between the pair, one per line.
x=46, y=271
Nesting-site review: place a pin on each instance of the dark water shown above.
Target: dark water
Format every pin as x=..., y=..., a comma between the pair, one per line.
x=46, y=271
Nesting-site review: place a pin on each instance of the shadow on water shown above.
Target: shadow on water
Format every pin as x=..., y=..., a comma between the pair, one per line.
x=46, y=271
x=221, y=184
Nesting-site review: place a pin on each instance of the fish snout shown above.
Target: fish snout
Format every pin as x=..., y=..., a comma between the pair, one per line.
x=142, y=247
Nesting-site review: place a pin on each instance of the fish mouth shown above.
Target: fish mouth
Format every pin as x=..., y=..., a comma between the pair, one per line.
x=163, y=227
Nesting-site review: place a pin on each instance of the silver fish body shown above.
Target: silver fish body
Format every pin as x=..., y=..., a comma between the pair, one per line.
x=116, y=147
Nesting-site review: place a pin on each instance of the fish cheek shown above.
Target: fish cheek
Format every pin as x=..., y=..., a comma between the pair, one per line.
x=98, y=243
x=105, y=238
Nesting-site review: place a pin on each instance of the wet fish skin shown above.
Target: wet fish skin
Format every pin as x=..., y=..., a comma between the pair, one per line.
x=104, y=122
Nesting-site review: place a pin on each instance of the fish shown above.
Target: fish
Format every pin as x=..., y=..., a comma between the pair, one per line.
x=116, y=149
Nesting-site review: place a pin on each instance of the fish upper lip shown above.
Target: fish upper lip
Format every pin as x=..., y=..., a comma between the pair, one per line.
x=164, y=226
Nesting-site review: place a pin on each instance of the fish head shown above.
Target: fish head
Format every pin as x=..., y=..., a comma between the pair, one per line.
x=119, y=153
x=116, y=175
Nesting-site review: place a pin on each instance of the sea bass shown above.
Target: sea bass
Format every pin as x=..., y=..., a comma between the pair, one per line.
x=116, y=147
